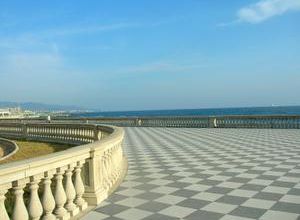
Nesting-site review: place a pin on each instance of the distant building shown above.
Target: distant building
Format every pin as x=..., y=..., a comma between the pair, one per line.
x=14, y=113
x=5, y=113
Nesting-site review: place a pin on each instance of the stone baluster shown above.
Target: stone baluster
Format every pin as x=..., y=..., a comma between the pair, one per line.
x=113, y=164
x=116, y=162
x=20, y=211
x=60, y=196
x=79, y=187
x=103, y=172
x=70, y=192
x=35, y=208
x=3, y=212
x=107, y=170
x=48, y=201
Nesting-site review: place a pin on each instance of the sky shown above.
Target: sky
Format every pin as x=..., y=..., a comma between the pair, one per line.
x=138, y=55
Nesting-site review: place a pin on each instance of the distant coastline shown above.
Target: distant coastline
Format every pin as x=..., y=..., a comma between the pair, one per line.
x=272, y=110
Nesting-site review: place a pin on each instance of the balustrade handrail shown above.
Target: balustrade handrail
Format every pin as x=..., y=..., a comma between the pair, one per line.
x=223, y=121
x=89, y=171
x=9, y=148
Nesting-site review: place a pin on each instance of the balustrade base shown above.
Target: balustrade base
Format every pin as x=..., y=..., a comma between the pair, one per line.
x=94, y=198
x=65, y=217
x=75, y=211
x=121, y=176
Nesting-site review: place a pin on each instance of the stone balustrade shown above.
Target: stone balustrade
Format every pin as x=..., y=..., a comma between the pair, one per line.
x=61, y=185
x=8, y=148
x=238, y=121
x=235, y=121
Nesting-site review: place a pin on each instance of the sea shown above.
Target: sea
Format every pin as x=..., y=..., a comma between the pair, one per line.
x=272, y=110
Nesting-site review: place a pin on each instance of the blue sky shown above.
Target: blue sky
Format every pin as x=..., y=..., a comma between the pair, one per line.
x=134, y=55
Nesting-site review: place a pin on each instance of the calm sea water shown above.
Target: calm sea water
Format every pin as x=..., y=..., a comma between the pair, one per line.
x=282, y=110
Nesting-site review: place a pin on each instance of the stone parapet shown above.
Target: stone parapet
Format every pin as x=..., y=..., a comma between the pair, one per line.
x=62, y=185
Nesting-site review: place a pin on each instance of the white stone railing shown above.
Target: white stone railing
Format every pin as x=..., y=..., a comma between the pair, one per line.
x=61, y=185
x=232, y=121
x=9, y=148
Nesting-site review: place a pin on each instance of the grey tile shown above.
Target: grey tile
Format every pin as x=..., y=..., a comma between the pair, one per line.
x=193, y=203
x=267, y=177
x=153, y=206
x=143, y=179
x=174, y=178
x=185, y=193
x=111, y=209
x=229, y=174
x=294, y=191
x=255, y=171
x=253, y=187
x=287, y=207
x=220, y=190
x=201, y=176
x=116, y=198
x=149, y=195
x=199, y=215
x=248, y=212
x=146, y=186
x=239, y=180
x=283, y=184
x=112, y=218
x=178, y=185
x=233, y=200
x=158, y=216
x=210, y=182
x=268, y=196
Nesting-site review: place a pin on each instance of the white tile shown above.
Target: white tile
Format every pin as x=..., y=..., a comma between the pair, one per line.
x=177, y=211
x=156, y=175
x=289, y=179
x=277, y=215
x=131, y=202
x=242, y=193
x=211, y=172
x=232, y=185
x=130, y=192
x=189, y=180
x=219, y=207
x=170, y=199
x=260, y=182
x=198, y=187
x=219, y=178
x=233, y=217
x=272, y=173
x=291, y=199
x=133, y=213
x=94, y=216
x=259, y=203
x=164, y=189
x=131, y=184
x=276, y=189
x=207, y=196
x=160, y=182
x=248, y=175
x=183, y=173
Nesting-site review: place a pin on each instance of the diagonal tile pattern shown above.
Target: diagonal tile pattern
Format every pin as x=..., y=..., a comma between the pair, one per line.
x=182, y=173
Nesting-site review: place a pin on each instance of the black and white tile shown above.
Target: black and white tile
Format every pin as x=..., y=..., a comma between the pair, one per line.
x=177, y=173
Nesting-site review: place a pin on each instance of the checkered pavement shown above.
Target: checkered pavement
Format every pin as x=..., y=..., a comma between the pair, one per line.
x=227, y=174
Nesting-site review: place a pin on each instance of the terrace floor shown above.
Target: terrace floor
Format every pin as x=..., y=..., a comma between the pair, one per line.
x=228, y=174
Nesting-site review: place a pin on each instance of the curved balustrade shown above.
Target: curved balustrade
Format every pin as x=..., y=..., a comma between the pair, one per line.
x=239, y=121
x=282, y=122
x=9, y=148
x=61, y=185
x=232, y=121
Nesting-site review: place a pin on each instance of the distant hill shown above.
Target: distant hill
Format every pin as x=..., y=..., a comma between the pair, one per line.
x=35, y=106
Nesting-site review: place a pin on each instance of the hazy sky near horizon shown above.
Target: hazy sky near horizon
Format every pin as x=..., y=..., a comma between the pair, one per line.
x=133, y=54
